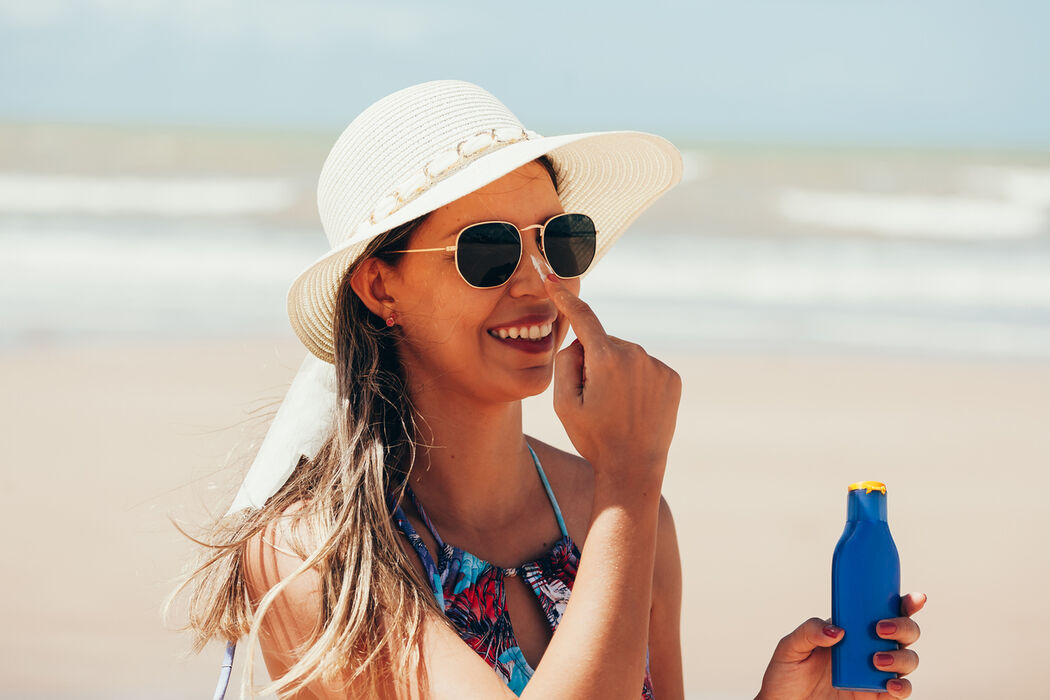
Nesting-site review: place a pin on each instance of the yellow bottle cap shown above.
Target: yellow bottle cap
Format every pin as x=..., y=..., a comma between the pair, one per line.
x=868, y=486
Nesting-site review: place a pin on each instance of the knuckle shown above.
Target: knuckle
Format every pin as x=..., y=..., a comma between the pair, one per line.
x=634, y=352
x=674, y=379
x=906, y=633
x=563, y=356
x=807, y=630
x=669, y=372
x=812, y=628
x=599, y=353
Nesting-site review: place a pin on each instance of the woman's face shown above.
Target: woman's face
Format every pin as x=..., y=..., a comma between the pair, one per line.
x=451, y=330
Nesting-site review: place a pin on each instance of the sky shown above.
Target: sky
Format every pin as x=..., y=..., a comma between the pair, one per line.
x=879, y=72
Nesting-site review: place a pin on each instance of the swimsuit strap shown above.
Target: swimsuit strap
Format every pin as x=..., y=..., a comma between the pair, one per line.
x=423, y=515
x=546, y=487
x=550, y=491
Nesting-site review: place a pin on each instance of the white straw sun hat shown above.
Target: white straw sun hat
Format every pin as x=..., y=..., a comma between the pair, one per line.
x=405, y=156
x=430, y=144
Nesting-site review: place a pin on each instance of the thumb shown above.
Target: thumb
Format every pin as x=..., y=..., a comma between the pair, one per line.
x=569, y=376
x=811, y=634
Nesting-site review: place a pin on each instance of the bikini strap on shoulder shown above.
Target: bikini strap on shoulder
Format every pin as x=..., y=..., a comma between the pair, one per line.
x=550, y=491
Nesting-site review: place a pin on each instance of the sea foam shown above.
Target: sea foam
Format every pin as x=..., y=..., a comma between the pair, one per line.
x=28, y=193
x=924, y=216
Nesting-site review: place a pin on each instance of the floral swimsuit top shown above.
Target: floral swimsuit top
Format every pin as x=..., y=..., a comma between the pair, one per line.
x=471, y=591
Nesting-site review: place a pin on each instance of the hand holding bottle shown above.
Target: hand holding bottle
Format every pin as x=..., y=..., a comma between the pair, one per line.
x=801, y=665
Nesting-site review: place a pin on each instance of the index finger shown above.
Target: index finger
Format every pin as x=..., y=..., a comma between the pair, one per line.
x=580, y=316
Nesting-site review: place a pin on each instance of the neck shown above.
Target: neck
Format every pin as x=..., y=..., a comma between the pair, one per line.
x=473, y=473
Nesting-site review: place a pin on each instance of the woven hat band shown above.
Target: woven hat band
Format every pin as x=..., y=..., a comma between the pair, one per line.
x=403, y=144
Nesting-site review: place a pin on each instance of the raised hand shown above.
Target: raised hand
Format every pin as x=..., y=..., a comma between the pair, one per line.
x=617, y=403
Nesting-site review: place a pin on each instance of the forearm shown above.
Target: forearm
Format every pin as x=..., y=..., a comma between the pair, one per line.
x=599, y=648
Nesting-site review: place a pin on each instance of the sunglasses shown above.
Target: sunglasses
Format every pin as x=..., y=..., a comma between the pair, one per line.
x=488, y=253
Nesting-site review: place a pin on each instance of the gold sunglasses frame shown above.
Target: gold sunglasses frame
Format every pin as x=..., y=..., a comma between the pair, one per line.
x=521, y=247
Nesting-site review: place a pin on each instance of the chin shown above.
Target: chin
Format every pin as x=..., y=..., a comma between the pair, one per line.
x=528, y=382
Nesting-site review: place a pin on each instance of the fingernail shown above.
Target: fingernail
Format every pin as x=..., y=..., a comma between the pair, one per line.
x=894, y=685
x=886, y=628
x=553, y=277
x=832, y=630
x=883, y=659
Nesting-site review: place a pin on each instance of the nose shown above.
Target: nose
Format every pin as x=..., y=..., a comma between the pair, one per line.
x=527, y=279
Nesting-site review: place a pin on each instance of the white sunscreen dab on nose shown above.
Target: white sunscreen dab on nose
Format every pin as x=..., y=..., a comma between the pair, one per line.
x=542, y=268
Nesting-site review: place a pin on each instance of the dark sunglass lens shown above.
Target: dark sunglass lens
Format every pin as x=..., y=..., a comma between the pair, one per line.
x=568, y=243
x=488, y=253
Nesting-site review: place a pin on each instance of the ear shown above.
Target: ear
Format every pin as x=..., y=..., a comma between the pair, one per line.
x=370, y=282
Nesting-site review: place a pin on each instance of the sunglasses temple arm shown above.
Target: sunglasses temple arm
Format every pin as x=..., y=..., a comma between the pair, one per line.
x=446, y=249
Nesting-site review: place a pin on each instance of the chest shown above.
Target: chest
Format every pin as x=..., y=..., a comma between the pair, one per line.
x=499, y=609
x=506, y=590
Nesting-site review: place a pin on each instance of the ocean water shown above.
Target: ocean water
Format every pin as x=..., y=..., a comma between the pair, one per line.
x=915, y=254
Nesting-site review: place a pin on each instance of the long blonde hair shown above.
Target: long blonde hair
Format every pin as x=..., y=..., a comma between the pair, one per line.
x=373, y=601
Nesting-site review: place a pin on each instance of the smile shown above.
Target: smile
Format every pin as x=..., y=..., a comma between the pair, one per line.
x=536, y=332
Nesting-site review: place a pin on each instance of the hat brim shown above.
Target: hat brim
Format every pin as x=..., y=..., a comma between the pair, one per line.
x=611, y=176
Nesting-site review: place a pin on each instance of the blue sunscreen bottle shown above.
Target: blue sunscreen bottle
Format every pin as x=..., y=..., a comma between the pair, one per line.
x=865, y=588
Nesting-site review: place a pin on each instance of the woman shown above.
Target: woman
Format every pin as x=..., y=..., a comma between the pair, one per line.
x=458, y=242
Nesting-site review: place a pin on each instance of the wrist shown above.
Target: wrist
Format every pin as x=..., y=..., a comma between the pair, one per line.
x=631, y=488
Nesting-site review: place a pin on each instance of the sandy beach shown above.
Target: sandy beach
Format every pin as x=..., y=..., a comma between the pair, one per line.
x=105, y=442
x=852, y=276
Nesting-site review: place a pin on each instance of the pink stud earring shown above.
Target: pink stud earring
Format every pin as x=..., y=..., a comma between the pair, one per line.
x=391, y=319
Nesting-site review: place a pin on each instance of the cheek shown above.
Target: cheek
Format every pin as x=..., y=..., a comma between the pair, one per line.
x=446, y=311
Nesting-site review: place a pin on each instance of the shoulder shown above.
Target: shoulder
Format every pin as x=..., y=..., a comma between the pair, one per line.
x=290, y=624
x=568, y=469
x=572, y=480
x=269, y=557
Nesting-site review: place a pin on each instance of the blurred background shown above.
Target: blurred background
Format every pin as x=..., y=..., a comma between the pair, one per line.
x=853, y=279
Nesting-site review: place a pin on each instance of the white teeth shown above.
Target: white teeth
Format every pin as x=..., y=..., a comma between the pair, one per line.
x=524, y=332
